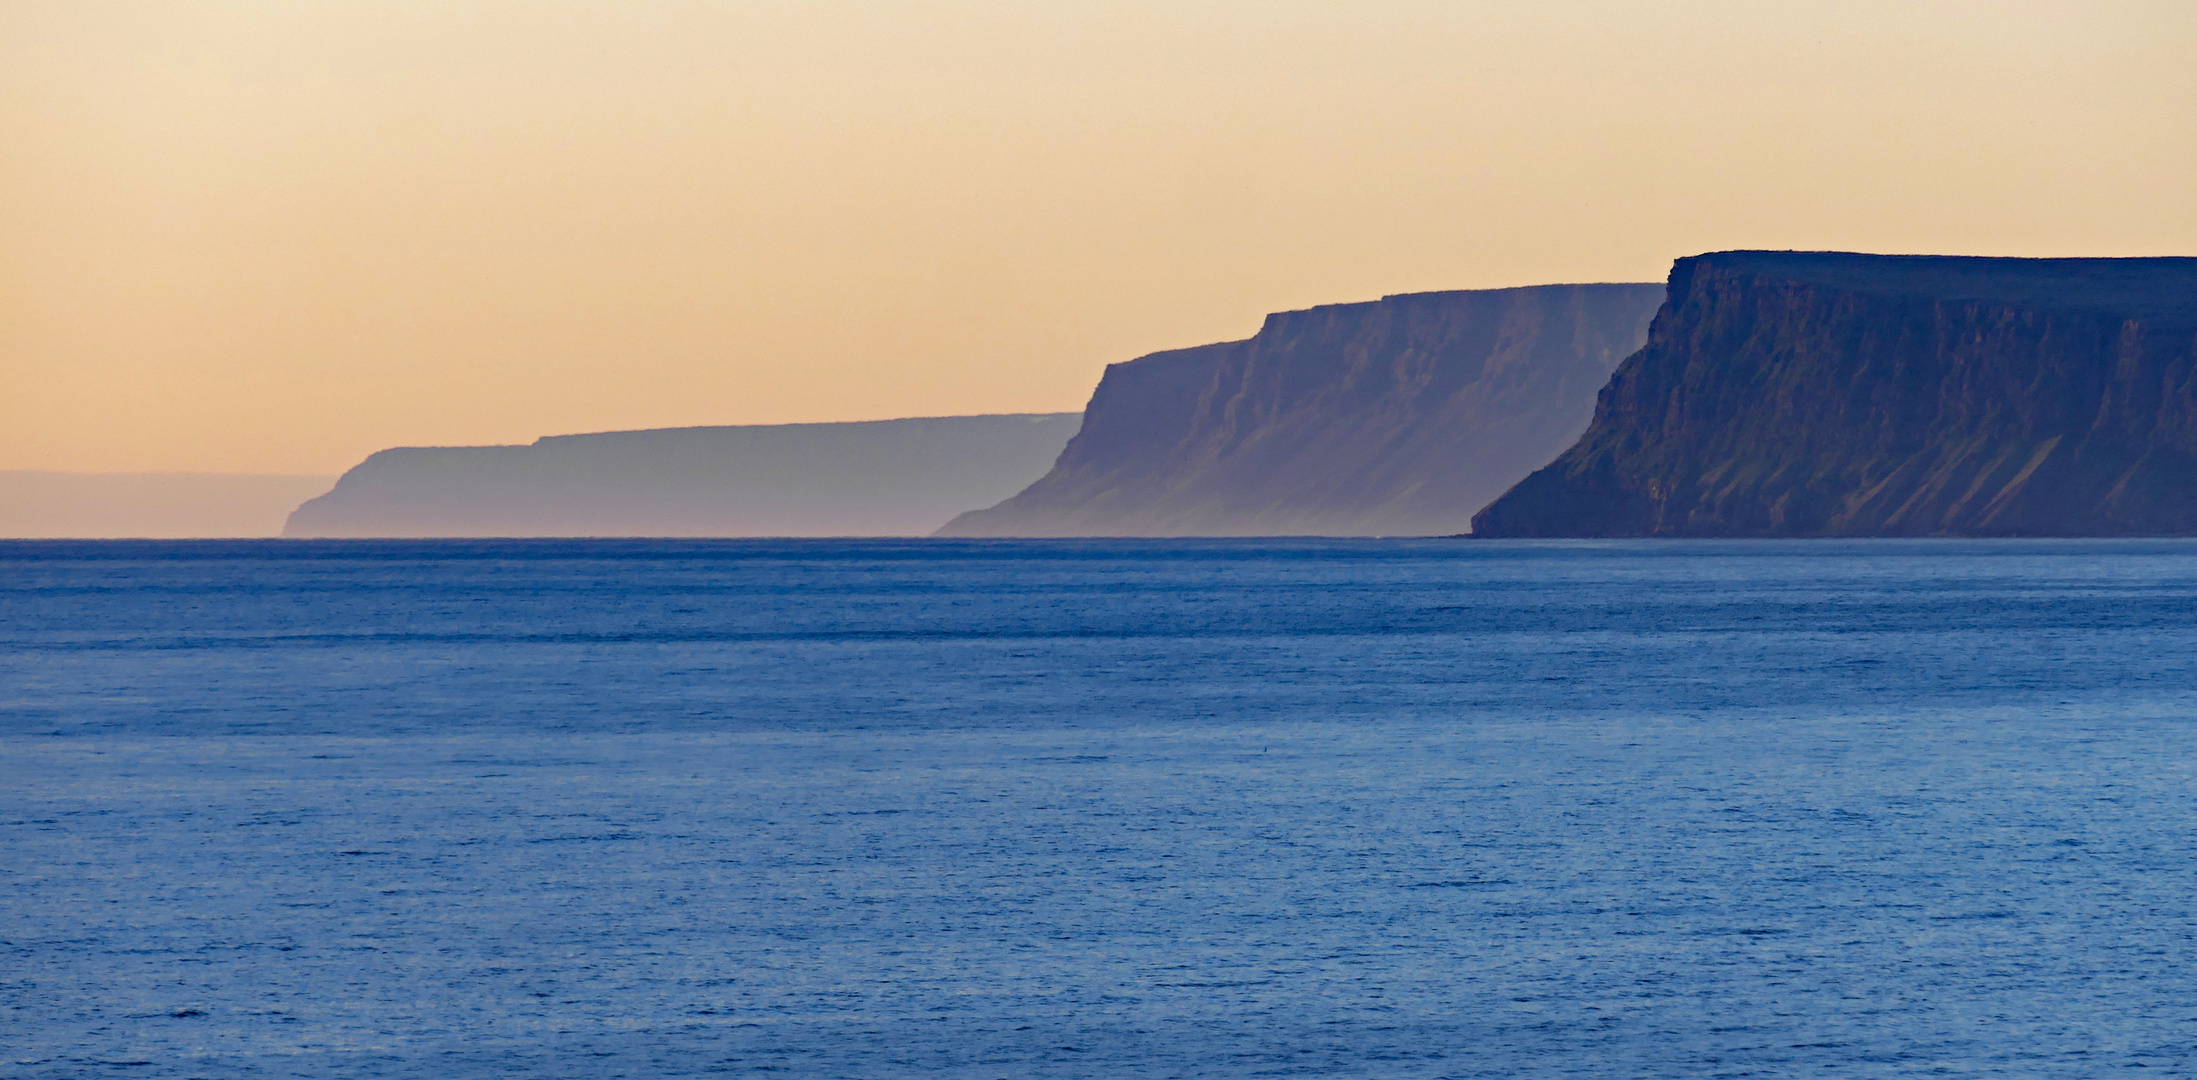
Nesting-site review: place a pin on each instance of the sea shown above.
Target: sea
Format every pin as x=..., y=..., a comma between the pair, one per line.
x=1106, y=808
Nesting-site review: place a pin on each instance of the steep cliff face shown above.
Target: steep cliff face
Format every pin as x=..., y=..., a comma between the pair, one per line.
x=1396, y=417
x=1824, y=394
x=874, y=478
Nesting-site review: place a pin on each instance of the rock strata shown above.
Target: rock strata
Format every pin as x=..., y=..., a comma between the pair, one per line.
x=1830, y=394
x=1400, y=416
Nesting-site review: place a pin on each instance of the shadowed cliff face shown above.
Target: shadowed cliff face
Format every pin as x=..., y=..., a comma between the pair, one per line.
x=1396, y=417
x=1816, y=394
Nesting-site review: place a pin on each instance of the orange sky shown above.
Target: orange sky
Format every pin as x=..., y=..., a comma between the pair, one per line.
x=276, y=236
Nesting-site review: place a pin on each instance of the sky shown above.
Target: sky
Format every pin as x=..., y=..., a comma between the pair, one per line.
x=273, y=237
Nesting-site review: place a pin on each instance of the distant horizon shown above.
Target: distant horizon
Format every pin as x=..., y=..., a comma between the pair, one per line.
x=49, y=504
x=45, y=504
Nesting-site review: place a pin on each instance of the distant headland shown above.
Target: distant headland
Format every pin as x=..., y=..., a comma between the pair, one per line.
x=1394, y=417
x=866, y=478
x=1757, y=394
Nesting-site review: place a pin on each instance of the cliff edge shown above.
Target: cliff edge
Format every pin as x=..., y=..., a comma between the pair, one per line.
x=1400, y=416
x=1833, y=394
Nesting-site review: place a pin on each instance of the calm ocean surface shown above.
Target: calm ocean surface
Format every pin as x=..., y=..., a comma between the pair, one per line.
x=1068, y=809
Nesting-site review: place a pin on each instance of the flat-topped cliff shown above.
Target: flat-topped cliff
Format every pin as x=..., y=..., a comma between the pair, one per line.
x=1831, y=394
x=871, y=478
x=1400, y=416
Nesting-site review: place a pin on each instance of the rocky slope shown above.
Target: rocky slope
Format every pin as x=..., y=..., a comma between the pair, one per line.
x=876, y=478
x=1826, y=394
x=1396, y=417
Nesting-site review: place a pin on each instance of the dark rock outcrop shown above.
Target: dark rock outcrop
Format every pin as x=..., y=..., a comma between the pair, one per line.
x=872, y=478
x=1827, y=394
x=1395, y=417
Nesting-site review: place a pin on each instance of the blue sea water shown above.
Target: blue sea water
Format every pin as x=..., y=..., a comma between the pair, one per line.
x=1068, y=809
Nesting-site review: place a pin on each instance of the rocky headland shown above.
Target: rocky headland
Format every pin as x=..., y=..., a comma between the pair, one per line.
x=1400, y=416
x=1831, y=394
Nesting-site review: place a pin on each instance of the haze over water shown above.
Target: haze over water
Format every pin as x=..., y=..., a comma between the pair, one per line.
x=1096, y=808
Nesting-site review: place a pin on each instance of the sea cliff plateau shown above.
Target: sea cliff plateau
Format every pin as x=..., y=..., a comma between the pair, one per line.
x=1834, y=394
x=1400, y=416
x=867, y=478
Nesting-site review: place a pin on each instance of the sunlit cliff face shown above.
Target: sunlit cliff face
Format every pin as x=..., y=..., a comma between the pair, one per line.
x=274, y=237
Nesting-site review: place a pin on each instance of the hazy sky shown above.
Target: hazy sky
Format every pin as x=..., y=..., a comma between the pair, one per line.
x=276, y=236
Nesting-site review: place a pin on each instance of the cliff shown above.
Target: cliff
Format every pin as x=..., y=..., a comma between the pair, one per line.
x=1825, y=394
x=876, y=478
x=1396, y=417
